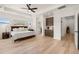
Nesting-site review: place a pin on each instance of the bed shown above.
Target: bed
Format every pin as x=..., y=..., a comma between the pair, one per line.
x=18, y=35
x=22, y=33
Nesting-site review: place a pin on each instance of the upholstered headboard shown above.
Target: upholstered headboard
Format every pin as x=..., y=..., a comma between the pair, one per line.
x=12, y=27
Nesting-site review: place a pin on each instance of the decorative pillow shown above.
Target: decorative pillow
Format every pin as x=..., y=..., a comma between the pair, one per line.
x=15, y=29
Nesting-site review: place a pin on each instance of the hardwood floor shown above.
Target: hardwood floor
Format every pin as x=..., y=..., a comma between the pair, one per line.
x=39, y=45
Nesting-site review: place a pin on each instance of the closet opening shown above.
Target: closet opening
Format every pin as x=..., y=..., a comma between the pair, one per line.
x=67, y=28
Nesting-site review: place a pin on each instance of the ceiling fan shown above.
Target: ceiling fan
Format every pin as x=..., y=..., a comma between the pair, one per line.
x=29, y=8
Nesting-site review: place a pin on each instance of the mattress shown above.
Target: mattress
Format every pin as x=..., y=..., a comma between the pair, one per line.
x=21, y=34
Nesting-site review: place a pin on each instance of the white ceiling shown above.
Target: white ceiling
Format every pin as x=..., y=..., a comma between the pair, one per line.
x=41, y=7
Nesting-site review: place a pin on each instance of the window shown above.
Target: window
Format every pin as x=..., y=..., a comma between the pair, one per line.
x=4, y=21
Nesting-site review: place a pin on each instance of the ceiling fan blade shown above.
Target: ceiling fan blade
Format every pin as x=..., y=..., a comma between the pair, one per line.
x=34, y=8
x=33, y=11
x=28, y=6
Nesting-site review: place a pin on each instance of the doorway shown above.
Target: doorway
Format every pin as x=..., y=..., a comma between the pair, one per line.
x=67, y=27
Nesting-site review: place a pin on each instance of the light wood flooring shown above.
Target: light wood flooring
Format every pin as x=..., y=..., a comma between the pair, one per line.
x=39, y=45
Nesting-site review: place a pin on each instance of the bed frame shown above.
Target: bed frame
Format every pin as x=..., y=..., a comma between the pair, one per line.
x=24, y=38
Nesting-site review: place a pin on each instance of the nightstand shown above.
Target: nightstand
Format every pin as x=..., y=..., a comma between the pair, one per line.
x=6, y=35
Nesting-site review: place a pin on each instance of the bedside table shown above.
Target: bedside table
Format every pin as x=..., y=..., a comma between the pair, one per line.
x=6, y=35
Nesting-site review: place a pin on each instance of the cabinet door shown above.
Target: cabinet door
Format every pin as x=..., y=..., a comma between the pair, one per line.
x=49, y=33
x=49, y=21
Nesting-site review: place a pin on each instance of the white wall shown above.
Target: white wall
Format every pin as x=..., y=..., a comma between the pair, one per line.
x=76, y=29
x=34, y=21
x=38, y=25
x=41, y=26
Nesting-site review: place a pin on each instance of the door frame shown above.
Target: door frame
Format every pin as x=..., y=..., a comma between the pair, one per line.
x=61, y=23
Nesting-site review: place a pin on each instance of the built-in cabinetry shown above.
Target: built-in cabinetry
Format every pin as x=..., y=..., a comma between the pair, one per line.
x=49, y=27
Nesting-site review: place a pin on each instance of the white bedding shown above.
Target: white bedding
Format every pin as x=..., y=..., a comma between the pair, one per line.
x=21, y=34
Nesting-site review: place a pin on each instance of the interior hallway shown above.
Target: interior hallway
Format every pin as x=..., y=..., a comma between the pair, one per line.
x=39, y=45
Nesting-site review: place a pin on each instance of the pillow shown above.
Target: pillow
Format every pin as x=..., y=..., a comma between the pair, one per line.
x=15, y=29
